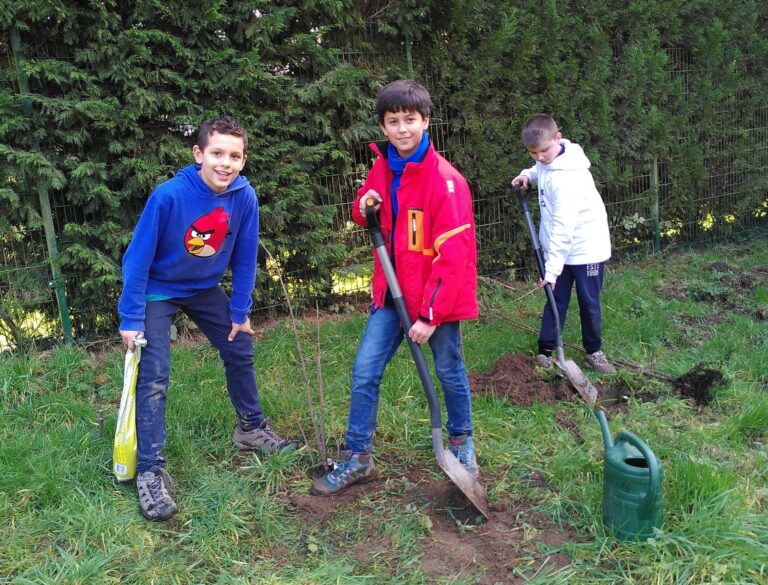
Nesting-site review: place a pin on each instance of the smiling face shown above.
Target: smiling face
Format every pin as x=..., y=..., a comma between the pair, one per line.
x=221, y=161
x=404, y=130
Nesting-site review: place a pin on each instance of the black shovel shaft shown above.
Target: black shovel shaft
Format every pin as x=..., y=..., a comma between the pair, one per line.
x=402, y=312
x=522, y=198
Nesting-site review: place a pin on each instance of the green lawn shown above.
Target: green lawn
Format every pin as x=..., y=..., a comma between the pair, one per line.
x=245, y=518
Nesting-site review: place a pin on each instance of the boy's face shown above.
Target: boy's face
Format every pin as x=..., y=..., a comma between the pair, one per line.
x=404, y=130
x=547, y=150
x=221, y=161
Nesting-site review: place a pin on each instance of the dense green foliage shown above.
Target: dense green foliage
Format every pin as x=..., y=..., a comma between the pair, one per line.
x=117, y=90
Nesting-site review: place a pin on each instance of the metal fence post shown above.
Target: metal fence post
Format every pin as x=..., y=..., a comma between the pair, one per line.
x=655, y=205
x=45, y=202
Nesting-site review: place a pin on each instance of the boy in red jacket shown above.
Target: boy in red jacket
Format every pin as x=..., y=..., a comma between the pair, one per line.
x=425, y=210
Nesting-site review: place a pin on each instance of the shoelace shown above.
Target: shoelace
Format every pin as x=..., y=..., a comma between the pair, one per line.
x=155, y=487
x=271, y=435
x=344, y=466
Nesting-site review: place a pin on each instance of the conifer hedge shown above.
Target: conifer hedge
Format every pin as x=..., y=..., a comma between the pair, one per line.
x=118, y=89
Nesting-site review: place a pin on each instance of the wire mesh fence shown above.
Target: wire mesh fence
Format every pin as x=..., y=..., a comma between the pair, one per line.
x=644, y=211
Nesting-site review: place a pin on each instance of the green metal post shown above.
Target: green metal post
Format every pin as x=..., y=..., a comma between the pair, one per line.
x=45, y=202
x=655, y=205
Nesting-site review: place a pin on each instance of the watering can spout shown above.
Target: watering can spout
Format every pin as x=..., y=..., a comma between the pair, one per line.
x=604, y=428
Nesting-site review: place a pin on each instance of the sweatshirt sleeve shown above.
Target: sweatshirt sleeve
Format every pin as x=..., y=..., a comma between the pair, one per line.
x=531, y=174
x=244, y=261
x=375, y=171
x=137, y=261
x=564, y=209
x=453, y=241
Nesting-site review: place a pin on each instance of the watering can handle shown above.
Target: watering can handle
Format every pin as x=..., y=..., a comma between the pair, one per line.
x=653, y=470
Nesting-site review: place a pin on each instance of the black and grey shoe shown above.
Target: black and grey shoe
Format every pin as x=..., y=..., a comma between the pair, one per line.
x=155, y=489
x=262, y=438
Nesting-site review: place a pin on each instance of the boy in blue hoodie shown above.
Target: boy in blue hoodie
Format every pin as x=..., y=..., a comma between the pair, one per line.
x=194, y=226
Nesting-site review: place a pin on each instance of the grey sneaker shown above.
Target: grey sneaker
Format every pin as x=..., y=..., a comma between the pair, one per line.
x=598, y=362
x=263, y=438
x=351, y=468
x=544, y=361
x=463, y=447
x=155, y=494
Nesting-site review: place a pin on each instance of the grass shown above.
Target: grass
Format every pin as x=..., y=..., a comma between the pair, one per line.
x=244, y=517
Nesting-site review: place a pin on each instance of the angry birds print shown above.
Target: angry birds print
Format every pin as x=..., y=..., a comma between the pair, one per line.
x=207, y=233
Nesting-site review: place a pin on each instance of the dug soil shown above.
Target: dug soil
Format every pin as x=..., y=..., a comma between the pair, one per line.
x=519, y=380
x=517, y=543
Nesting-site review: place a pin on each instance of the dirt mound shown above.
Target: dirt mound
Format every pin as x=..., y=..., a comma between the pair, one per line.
x=516, y=543
x=519, y=380
x=697, y=384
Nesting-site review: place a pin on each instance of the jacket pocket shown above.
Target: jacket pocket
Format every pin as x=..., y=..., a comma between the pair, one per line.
x=416, y=230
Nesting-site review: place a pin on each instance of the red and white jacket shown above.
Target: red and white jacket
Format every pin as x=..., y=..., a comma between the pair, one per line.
x=435, y=249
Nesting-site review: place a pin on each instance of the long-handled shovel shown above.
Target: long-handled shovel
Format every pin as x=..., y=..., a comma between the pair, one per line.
x=447, y=461
x=583, y=385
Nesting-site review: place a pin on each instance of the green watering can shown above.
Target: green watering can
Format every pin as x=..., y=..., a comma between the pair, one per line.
x=632, y=485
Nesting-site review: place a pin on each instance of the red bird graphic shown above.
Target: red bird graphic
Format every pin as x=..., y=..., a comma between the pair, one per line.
x=206, y=234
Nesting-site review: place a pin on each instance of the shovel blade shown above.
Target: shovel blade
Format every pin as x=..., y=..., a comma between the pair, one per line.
x=579, y=380
x=469, y=485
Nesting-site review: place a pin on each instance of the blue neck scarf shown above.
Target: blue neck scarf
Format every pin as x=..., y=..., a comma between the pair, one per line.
x=397, y=164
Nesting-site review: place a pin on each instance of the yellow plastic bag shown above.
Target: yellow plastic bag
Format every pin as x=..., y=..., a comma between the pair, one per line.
x=125, y=452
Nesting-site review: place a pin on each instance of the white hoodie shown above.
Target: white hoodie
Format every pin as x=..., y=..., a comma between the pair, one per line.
x=574, y=224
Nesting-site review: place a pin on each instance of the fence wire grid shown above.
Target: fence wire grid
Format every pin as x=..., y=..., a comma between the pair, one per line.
x=638, y=214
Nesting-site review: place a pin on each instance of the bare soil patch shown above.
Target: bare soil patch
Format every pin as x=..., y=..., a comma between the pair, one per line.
x=518, y=379
x=516, y=543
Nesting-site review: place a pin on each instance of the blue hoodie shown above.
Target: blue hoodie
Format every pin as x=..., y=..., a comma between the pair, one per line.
x=184, y=241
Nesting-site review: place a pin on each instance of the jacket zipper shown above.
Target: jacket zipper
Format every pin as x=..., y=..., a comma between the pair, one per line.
x=434, y=294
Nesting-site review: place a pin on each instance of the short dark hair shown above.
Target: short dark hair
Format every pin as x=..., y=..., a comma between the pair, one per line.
x=403, y=95
x=222, y=125
x=538, y=128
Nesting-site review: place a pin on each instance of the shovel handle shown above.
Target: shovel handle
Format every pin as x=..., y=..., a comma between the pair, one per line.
x=372, y=221
x=522, y=198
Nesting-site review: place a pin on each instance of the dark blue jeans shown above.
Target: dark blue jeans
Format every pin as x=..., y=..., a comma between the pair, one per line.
x=210, y=311
x=589, y=281
x=383, y=334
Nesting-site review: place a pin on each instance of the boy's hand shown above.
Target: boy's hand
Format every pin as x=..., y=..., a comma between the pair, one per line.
x=244, y=327
x=128, y=337
x=370, y=193
x=543, y=283
x=420, y=332
x=521, y=180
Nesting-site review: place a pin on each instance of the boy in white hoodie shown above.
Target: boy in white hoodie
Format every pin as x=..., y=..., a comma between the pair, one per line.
x=573, y=233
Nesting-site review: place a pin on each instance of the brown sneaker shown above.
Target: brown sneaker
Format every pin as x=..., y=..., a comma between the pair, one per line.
x=598, y=362
x=263, y=438
x=544, y=361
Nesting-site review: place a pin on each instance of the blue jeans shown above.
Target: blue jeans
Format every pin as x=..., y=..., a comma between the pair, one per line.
x=383, y=335
x=589, y=281
x=210, y=311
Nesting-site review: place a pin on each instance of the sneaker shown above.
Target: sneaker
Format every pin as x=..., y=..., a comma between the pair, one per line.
x=598, y=362
x=544, y=361
x=463, y=447
x=263, y=438
x=155, y=490
x=351, y=468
